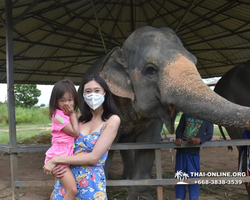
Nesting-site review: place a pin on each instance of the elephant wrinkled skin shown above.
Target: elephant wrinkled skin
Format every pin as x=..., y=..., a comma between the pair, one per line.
x=235, y=87
x=152, y=77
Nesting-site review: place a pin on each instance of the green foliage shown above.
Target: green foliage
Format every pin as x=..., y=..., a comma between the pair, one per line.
x=42, y=105
x=28, y=133
x=26, y=95
x=3, y=114
x=25, y=115
x=165, y=130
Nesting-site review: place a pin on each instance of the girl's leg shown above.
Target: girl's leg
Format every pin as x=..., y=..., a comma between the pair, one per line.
x=69, y=184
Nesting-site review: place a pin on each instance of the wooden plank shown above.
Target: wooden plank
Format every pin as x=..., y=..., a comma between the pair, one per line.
x=125, y=146
x=148, y=182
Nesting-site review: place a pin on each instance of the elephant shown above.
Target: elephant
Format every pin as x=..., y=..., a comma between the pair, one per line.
x=235, y=87
x=153, y=77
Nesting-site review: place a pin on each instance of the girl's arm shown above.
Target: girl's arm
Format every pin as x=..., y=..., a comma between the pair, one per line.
x=103, y=143
x=71, y=128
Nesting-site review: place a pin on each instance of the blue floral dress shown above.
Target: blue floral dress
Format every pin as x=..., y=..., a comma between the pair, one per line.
x=90, y=180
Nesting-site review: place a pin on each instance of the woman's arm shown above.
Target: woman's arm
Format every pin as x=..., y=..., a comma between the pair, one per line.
x=103, y=143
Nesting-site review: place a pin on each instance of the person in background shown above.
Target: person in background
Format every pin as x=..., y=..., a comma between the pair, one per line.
x=195, y=131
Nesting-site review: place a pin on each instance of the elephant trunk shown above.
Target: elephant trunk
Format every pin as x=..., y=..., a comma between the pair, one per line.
x=190, y=95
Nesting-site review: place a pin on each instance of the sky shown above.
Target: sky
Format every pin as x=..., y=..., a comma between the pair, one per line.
x=46, y=91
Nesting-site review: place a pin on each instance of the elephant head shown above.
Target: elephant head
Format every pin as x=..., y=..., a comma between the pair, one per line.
x=159, y=75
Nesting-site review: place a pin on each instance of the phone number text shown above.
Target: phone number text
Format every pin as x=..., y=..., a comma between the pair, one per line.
x=219, y=182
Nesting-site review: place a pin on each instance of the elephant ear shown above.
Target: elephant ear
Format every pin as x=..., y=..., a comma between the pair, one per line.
x=114, y=72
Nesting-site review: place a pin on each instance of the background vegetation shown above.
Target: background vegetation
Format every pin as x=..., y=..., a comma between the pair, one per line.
x=25, y=115
x=29, y=122
x=26, y=95
x=33, y=125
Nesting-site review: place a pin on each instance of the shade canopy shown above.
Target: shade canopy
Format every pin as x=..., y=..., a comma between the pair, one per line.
x=56, y=39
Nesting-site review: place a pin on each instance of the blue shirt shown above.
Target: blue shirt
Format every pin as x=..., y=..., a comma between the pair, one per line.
x=190, y=127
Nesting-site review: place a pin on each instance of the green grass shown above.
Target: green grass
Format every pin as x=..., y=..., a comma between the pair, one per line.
x=25, y=115
x=27, y=126
x=23, y=131
x=29, y=122
x=217, y=131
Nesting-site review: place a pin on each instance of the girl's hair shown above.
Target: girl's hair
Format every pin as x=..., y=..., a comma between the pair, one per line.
x=109, y=107
x=59, y=89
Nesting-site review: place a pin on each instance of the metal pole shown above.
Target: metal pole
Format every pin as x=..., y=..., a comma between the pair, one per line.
x=11, y=98
x=184, y=16
x=99, y=28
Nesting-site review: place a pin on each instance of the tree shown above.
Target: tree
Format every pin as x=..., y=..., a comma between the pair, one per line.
x=26, y=95
x=42, y=105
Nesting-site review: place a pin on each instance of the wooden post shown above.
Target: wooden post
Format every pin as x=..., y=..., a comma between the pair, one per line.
x=158, y=173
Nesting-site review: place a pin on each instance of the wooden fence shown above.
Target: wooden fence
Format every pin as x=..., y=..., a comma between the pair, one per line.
x=159, y=181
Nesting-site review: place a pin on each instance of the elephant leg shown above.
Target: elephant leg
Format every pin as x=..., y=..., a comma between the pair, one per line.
x=127, y=157
x=144, y=160
x=107, y=164
x=128, y=163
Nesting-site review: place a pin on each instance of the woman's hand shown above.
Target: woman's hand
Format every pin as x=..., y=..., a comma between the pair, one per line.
x=59, y=171
x=49, y=166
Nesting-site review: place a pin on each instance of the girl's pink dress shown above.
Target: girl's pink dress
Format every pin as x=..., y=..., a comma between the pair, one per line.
x=62, y=143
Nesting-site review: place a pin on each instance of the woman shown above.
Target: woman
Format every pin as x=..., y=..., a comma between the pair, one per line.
x=98, y=126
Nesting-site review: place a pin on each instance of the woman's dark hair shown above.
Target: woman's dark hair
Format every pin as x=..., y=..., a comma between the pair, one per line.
x=109, y=107
x=59, y=89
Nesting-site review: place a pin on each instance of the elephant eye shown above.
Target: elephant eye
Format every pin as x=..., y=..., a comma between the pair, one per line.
x=151, y=70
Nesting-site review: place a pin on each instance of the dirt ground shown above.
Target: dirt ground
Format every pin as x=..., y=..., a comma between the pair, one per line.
x=215, y=159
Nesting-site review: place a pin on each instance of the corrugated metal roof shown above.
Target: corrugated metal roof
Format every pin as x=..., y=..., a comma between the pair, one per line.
x=58, y=39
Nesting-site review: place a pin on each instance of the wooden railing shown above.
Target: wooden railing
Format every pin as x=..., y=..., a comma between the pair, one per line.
x=159, y=181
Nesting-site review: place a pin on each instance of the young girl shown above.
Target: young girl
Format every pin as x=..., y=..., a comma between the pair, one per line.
x=62, y=105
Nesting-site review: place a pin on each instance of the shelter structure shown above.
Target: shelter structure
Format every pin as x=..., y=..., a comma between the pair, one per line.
x=54, y=39
x=43, y=41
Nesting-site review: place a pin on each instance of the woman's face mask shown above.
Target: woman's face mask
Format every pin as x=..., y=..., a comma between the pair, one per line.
x=94, y=100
